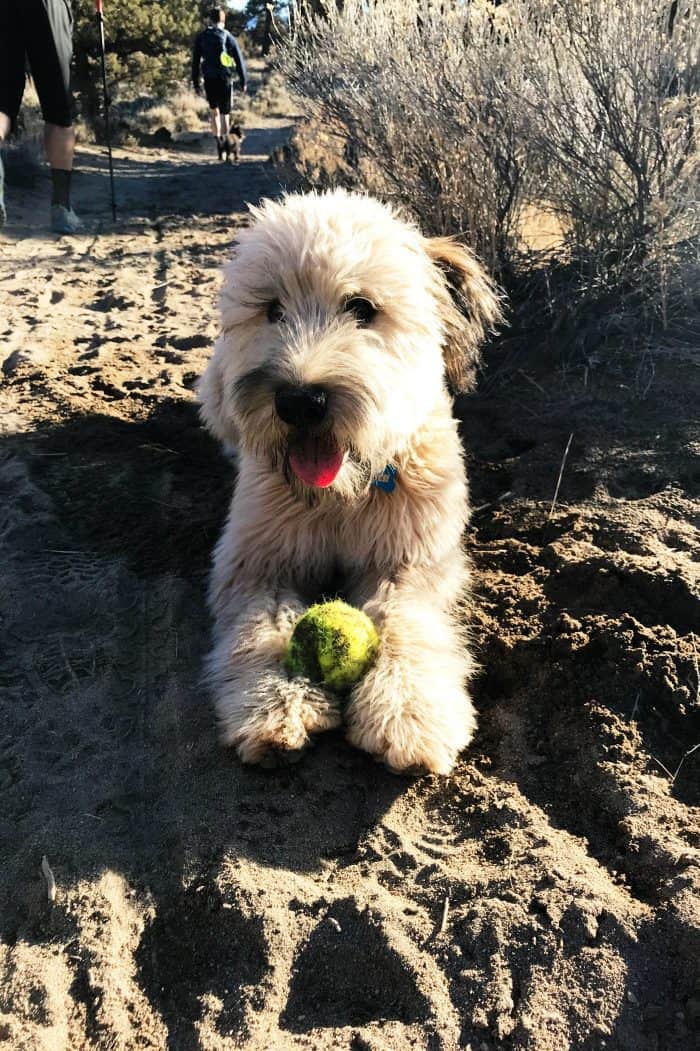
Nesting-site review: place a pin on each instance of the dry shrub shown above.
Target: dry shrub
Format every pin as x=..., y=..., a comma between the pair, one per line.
x=23, y=154
x=271, y=98
x=393, y=76
x=614, y=108
x=318, y=153
x=471, y=115
x=139, y=118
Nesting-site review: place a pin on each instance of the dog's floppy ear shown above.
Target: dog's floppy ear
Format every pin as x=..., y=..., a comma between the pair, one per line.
x=212, y=403
x=470, y=308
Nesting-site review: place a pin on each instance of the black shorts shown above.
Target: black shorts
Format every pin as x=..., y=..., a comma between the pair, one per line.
x=219, y=91
x=38, y=33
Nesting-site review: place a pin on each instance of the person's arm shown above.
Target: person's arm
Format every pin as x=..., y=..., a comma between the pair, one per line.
x=235, y=53
x=196, y=64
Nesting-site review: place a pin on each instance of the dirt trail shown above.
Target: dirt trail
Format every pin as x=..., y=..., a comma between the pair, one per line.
x=545, y=897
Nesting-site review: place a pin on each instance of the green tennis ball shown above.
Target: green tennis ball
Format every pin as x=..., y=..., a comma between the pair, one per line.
x=332, y=643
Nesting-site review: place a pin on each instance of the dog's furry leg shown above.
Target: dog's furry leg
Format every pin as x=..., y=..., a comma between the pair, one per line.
x=264, y=714
x=412, y=709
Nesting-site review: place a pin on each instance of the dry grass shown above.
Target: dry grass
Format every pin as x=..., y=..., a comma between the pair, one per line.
x=136, y=119
x=271, y=99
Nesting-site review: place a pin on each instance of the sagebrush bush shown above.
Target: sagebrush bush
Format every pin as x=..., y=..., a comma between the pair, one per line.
x=472, y=115
x=393, y=77
x=271, y=98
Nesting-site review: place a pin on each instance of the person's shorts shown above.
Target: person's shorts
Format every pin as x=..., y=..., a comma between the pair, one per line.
x=219, y=91
x=38, y=33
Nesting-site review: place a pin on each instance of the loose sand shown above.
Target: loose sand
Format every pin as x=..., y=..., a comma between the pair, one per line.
x=545, y=897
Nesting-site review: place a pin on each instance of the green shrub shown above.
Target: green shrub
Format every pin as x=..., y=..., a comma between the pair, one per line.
x=148, y=45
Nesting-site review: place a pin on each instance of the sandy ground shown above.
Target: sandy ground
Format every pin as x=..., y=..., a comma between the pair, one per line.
x=545, y=897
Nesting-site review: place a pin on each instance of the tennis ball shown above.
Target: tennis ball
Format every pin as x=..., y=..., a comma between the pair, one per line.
x=332, y=643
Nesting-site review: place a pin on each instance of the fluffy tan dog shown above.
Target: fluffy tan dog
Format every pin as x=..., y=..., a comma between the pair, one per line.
x=342, y=327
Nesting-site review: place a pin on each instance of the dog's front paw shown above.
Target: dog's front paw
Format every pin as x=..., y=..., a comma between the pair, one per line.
x=270, y=720
x=411, y=730
x=404, y=745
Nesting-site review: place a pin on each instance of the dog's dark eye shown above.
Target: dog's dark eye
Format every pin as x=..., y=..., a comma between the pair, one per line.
x=275, y=312
x=361, y=309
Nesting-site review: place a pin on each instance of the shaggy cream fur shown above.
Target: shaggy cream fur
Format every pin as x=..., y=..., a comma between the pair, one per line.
x=291, y=321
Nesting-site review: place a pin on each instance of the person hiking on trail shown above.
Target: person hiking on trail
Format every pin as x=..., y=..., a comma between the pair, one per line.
x=214, y=55
x=40, y=33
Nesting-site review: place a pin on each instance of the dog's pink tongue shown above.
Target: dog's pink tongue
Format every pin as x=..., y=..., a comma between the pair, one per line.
x=315, y=464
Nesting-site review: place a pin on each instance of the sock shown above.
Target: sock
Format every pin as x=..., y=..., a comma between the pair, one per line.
x=61, y=187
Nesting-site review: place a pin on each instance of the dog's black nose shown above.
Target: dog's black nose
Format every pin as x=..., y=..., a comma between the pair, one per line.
x=301, y=406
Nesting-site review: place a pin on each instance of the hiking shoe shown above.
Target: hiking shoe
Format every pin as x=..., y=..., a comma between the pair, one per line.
x=220, y=148
x=3, y=210
x=64, y=220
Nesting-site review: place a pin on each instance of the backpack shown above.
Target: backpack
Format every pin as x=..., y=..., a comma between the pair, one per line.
x=216, y=57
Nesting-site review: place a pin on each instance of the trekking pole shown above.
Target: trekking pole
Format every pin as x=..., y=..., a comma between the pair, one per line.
x=101, y=21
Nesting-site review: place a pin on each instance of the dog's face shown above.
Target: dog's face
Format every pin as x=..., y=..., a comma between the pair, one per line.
x=340, y=326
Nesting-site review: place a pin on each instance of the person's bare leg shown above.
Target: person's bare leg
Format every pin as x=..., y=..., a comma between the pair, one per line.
x=215, y=120
x=5, y=125
x=60, y=146
x=226, y=138
x=59, y=143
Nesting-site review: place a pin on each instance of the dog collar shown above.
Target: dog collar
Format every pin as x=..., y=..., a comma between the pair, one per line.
x=386, y=480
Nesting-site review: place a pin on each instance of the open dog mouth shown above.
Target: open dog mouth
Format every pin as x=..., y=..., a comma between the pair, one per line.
x=315, y=460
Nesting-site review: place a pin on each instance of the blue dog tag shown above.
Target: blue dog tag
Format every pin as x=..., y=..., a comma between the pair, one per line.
x=386, y=480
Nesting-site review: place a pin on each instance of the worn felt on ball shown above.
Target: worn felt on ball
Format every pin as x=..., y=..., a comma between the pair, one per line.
x=333, y=643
